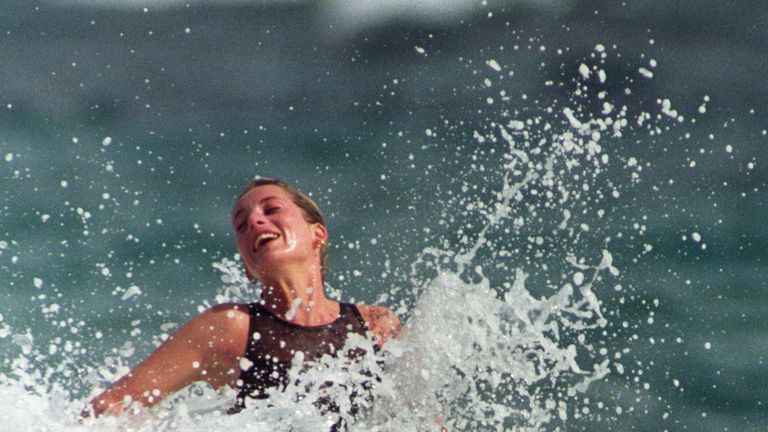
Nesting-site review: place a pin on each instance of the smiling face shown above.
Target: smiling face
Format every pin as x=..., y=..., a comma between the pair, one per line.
x=272, y=232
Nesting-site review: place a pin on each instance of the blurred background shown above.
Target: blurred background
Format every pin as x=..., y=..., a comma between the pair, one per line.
x=127, y=129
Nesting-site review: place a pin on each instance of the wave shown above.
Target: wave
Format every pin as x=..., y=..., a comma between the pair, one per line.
x=345, y=16
x=483, y=347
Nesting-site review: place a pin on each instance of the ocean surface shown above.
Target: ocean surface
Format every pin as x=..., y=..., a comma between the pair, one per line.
x=564, y=201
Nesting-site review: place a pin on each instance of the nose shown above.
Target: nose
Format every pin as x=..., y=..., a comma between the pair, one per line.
x=256, y=219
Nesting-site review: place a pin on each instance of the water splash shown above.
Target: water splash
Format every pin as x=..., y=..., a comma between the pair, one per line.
x=483, y=348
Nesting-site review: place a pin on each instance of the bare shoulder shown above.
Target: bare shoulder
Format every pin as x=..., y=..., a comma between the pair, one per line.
x=382, y=322
x=232, y=312
x=224, y=327
x=225, y=317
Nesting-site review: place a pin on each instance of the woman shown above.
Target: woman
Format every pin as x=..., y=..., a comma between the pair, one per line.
x=282, y=240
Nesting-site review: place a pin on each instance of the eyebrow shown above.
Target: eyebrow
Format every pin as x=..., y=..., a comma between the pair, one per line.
x=237, y=213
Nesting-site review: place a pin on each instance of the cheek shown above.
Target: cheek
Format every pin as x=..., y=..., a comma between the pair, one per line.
x=242, y=244
x=298, y=233
x=292, y=240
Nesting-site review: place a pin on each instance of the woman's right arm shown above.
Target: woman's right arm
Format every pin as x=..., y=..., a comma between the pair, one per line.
x=207, y=348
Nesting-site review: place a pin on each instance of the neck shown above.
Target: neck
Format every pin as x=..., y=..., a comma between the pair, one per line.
x=298, y=297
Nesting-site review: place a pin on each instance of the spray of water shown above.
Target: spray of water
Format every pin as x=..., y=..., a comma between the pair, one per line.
x=483, y=348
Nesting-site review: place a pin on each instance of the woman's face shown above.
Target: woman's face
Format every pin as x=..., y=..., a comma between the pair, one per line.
x=271, y=231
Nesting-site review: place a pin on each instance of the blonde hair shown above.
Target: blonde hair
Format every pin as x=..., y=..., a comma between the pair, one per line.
x=308, y=207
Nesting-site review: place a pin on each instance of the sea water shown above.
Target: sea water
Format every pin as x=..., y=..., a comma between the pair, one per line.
x=503, y=323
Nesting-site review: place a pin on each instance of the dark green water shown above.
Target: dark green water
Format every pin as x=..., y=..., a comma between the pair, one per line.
x=126, y=137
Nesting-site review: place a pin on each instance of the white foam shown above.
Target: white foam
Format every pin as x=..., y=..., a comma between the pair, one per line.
x=132, y=291
x=481, y=351
x=584, y=71
x=645, y=73
x=493, y=64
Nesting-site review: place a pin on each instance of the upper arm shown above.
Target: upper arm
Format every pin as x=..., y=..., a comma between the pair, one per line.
x=207, y=348
x=382, y=322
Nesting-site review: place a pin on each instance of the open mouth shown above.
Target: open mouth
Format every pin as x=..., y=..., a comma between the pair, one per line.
x=263, y=239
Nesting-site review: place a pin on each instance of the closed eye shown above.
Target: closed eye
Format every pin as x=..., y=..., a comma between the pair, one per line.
x=271, y=210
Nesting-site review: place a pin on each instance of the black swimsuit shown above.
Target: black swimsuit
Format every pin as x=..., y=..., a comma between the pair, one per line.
x=273, y=343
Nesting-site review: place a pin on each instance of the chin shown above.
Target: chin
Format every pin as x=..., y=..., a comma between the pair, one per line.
x=273, y=262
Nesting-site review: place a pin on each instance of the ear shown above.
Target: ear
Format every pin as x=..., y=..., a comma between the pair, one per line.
x=320, y=233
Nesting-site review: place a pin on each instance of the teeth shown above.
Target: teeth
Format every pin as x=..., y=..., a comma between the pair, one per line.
x=266, y=236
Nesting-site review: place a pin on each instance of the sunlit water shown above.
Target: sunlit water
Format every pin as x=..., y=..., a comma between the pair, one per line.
x=483, y=346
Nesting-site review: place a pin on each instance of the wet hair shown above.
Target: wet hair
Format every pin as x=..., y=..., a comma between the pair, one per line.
x=308, y=207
